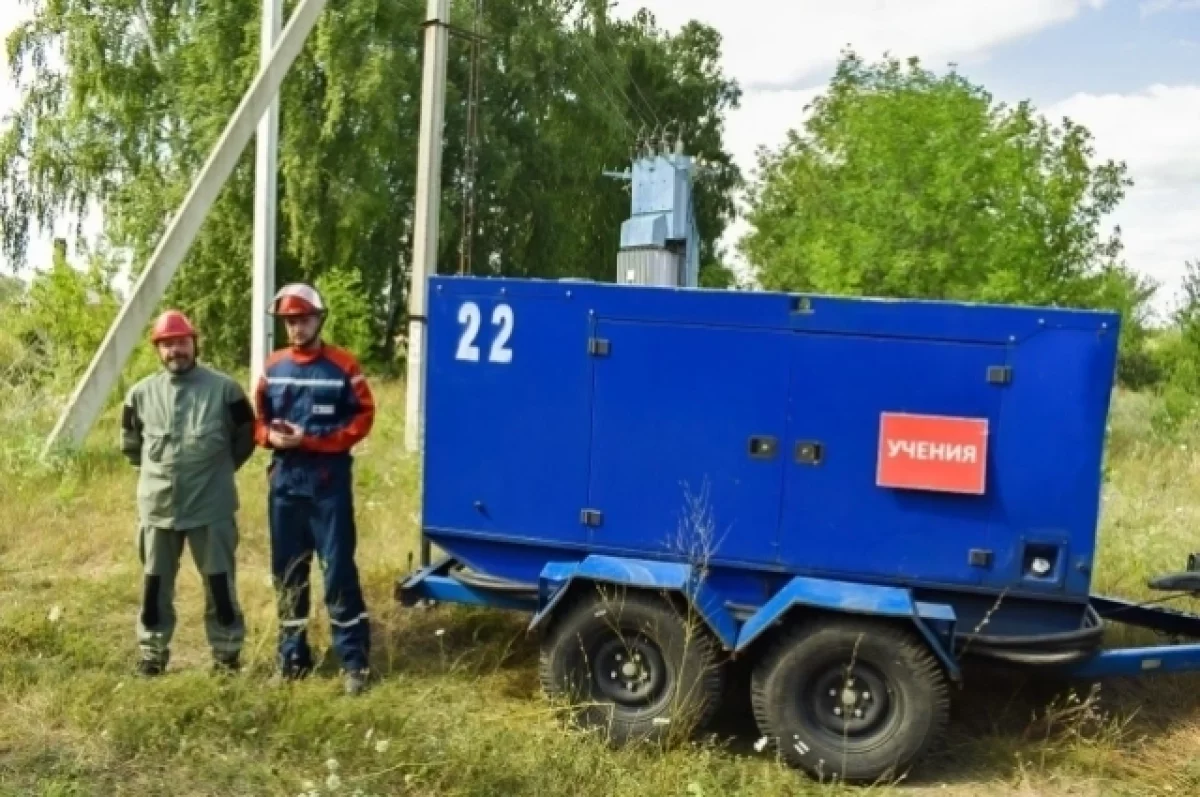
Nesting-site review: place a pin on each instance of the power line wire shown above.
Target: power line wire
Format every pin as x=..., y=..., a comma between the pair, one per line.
x=589, y=52
x=616, y=105
x=602, y=32
x=616, y=82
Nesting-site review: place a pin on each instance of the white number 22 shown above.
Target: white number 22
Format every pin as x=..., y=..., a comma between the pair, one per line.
x=470, y=317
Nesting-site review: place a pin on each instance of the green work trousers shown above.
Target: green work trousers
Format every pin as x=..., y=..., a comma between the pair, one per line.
x=213, y=550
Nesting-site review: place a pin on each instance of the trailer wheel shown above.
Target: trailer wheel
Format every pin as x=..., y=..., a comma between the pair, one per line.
x=850, y=698
x=632, y=664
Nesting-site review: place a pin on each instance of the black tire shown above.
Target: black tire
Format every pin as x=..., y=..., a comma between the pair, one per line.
x=602, y=644
x=802, y=699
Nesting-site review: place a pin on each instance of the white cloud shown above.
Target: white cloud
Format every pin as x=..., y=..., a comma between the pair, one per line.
x=787, y=43
x=1155, y=132
x=764, y=119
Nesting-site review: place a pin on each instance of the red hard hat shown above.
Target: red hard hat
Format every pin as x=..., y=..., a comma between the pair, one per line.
x=172, y=324
x=298, y=299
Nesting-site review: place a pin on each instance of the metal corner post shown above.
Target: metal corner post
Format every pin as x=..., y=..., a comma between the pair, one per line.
x=266, y=177
x=425, y=218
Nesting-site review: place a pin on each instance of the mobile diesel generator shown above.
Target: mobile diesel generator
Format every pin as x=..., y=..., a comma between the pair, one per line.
x=851, y=495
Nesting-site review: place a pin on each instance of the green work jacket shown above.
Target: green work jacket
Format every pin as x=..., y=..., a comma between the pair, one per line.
x=187, y=434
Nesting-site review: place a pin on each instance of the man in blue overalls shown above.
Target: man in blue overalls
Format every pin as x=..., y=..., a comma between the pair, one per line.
x=314, y=405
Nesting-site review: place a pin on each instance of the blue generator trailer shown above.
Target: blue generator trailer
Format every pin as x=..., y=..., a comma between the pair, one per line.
x=852, y=496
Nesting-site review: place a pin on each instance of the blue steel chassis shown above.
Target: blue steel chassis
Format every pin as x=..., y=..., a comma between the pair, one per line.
x=736, y=627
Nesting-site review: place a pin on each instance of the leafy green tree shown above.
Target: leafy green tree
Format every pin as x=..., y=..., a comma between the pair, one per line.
x=1187, y=314
x=349, y=321
x=10, y=289
x=140, y=91
x=907, y=183
x=52, y=327
x=1177, y=357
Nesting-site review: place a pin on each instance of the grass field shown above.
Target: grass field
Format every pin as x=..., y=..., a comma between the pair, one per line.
x=457, y=711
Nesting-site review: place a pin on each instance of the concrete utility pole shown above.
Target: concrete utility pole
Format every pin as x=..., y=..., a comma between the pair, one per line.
x=425, y=219
x=266, y=172
x=127, y=330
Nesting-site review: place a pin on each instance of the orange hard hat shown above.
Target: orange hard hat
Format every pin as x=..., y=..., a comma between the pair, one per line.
x=298, y=299
x=172, y=324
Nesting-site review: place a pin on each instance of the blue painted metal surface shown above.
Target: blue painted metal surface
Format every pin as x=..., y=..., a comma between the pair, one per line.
x=934, y=620
x=1157, y=659
x=526, y=429
x=671, y=417
x=431, y=583
x=507, y=441
x=445, y=589
x=644, y=574
x=912, y=536
x=647, y=437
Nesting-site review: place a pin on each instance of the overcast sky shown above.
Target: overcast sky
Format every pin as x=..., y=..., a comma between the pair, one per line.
x=1127, y=69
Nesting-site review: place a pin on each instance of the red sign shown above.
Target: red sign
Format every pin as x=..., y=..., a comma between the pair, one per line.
x=932, y=452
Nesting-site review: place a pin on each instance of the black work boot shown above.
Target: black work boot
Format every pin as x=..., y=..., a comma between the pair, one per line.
x=150, y=668
x=356, y=681
x=294, y=668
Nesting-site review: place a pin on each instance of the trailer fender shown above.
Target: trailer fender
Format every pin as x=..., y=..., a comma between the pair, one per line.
x=935, y=621
x=557, y=577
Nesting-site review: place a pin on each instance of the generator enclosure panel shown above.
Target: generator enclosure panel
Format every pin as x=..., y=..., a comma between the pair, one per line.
x=935, y=445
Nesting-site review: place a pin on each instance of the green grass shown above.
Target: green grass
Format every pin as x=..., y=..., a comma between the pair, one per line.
x=458, y=711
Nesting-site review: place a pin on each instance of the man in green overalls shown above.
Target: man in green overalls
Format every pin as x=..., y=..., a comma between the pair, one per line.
x=188, y=429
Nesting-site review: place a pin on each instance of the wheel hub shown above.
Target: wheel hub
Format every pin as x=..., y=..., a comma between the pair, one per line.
x=854, y=704
x=629, y=670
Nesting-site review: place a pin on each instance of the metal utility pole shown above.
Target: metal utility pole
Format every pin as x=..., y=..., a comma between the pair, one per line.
x=127, y=330
x=266, y=172
x=425, y=219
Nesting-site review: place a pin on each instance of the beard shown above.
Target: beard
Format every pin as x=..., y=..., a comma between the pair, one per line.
x=178, y=363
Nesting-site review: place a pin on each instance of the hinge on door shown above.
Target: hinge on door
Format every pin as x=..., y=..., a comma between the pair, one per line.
x=598, y=347
x=591, y=517
x=999, y=374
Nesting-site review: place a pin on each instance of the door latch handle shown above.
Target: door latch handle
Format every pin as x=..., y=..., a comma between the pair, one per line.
x=809, y=452
x=763, y=446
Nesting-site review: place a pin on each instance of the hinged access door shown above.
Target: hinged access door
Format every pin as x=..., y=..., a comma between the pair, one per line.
x=688, y=439
x=892, y=469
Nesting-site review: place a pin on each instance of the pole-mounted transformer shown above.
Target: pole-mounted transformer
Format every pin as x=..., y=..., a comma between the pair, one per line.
x=660, y=243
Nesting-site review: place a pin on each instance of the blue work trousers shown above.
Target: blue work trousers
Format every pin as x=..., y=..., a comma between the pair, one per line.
x=311, y=509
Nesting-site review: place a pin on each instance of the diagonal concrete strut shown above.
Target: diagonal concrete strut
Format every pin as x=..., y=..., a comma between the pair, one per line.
x=126, y=330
